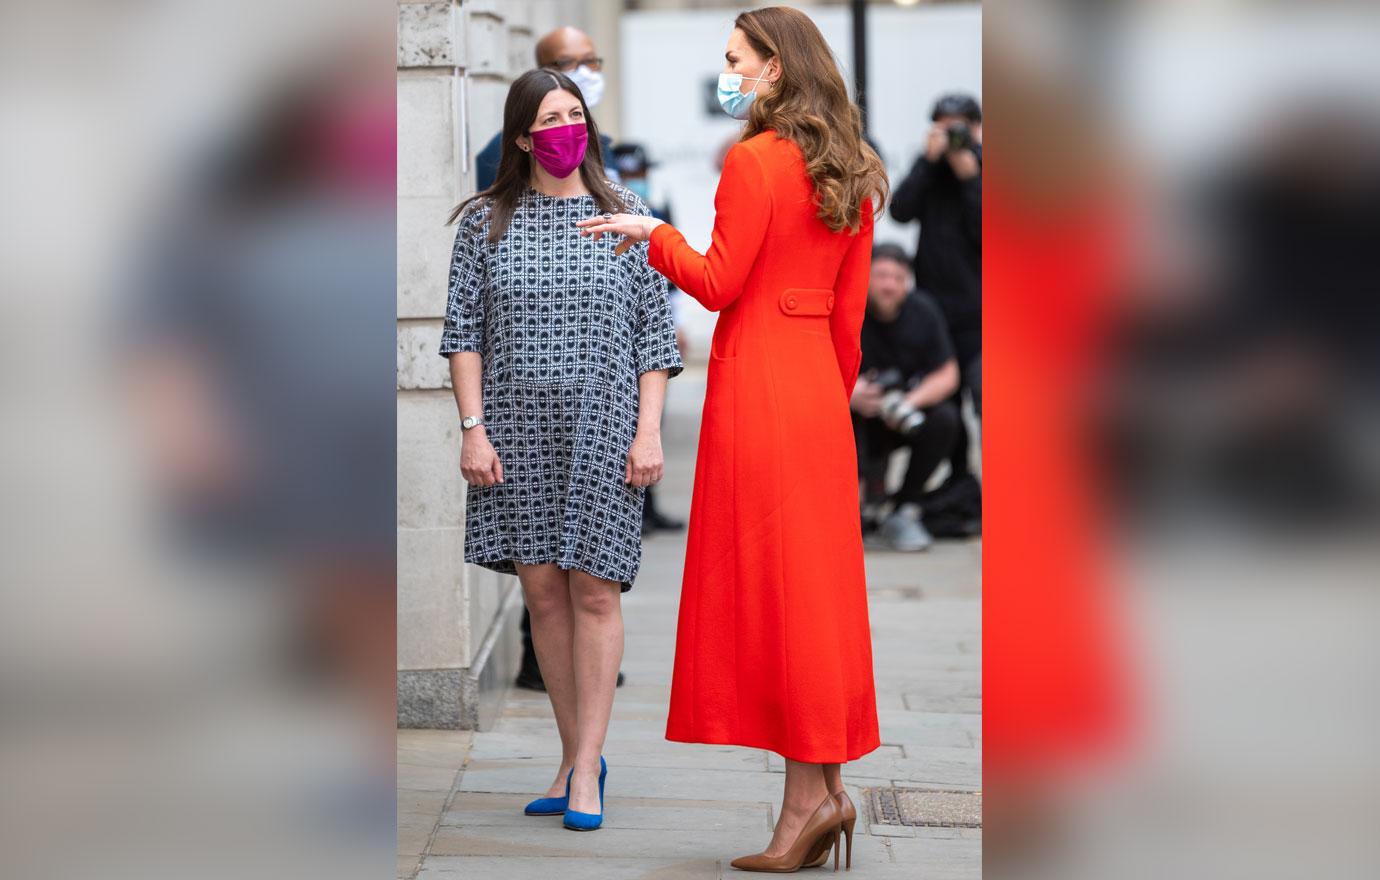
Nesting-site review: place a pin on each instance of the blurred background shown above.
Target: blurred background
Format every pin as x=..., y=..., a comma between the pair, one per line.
x=1180, y=323
x=196, y=639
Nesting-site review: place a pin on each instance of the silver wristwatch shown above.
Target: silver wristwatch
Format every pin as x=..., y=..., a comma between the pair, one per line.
x=470, y=421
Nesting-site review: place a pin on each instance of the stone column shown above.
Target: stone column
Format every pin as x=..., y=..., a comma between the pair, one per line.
x=458, y=636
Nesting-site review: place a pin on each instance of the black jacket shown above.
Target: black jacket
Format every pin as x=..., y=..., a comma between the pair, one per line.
x=948, y=260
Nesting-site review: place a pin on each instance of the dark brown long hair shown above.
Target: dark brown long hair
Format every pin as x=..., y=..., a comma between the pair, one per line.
x=515, y=165
x=809, y=104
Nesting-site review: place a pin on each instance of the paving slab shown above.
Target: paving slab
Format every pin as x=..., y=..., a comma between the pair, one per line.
x=475, y=809
x=549, y=868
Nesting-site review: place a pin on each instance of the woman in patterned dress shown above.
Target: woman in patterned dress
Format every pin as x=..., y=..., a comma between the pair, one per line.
x=559, y=356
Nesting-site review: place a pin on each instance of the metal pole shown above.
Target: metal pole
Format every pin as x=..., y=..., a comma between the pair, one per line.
x=859, y=16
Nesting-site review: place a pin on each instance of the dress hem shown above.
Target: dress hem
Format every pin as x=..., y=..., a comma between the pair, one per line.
x=811, y=759
x=504, y=565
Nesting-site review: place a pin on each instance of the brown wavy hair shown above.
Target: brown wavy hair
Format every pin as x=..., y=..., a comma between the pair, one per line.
x=809, y=104
x=515, y=165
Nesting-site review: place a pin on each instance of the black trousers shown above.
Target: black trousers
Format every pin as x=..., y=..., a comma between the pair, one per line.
x=968, y=351
x=933, y=443
x=529, y=651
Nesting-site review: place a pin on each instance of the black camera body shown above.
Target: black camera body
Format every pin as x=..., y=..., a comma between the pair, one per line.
x=960, y=137
x=897, y=413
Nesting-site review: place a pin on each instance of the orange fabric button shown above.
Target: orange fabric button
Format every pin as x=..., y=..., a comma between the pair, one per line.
x=807, y=301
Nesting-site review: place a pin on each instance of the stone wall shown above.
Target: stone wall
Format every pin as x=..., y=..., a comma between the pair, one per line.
x=458, y=638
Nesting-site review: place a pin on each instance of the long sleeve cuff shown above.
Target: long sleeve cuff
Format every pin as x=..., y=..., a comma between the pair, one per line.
x=849, y=371
x=658, y=245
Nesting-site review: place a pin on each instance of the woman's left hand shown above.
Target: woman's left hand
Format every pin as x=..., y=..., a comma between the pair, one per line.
x=645, y=463
x=633, y=228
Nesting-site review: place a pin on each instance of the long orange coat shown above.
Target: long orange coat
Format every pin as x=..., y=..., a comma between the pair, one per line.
x=773, y=647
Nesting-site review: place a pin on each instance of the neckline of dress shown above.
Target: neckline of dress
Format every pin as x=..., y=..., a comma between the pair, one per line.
x=536, y=193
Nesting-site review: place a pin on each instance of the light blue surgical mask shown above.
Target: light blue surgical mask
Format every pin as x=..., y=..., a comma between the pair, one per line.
x=736, y=103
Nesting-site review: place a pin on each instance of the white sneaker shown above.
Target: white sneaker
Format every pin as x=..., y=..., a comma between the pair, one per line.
x=903, y=531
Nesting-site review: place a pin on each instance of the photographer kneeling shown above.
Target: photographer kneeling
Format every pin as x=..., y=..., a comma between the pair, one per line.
x=904, y=395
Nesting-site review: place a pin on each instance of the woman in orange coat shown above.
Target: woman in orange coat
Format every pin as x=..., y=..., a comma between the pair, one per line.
x=773, y=647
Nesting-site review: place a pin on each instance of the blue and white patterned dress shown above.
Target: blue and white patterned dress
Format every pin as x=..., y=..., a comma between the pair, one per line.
x=565, y=328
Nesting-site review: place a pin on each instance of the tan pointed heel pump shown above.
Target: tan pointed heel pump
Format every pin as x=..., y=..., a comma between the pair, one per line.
x=821, y=830
x=849, y=815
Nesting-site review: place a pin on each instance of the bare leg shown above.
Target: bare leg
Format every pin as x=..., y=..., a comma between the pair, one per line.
x=546, y=589
x=805, y=788
x=598, y=649
x=833, y=777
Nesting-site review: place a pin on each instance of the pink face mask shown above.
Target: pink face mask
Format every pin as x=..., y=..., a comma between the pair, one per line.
x=561, y=149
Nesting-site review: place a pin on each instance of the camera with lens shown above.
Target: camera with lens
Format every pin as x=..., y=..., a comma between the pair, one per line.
x=960, y=137
x=897, y=413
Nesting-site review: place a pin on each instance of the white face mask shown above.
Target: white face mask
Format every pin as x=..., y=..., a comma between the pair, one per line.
x=591, y=83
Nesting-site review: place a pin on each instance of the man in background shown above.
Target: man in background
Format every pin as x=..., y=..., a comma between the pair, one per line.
x=943, y=191
x=904, y=396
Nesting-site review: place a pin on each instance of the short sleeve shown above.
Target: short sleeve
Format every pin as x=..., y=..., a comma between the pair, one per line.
x=463, y=329
x=177, y=291
x=936, y=347
x=655, y=331
x=654, y=328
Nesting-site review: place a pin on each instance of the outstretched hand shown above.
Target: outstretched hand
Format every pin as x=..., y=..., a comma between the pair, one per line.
x=633, y=228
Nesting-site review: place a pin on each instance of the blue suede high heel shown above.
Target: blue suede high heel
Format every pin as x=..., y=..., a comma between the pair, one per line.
x=550, y=806
x=574, y=819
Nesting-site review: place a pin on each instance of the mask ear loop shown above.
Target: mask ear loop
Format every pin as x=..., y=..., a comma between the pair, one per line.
x=764, y=70
x=753, y=78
